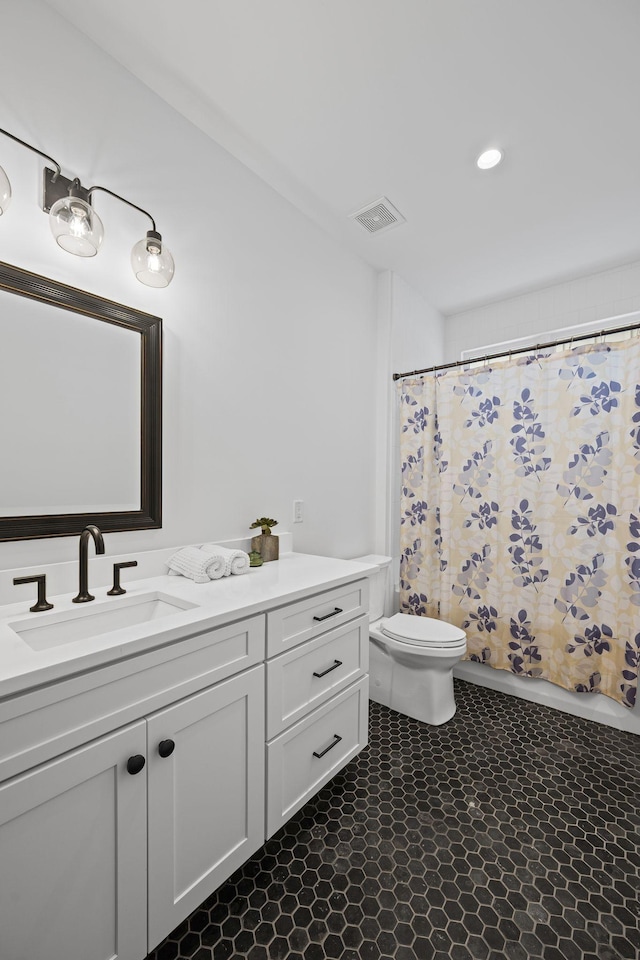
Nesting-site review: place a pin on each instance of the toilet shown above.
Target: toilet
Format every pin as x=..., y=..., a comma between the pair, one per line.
x=411, y=659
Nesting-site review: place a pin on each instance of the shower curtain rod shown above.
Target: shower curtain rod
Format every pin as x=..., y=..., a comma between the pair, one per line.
x=504, y=353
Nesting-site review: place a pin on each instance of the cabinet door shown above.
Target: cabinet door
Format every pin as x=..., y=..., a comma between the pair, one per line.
x=73, y=856
x=206, y=798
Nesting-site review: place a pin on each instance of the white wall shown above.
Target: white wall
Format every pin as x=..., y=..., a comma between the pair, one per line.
x=411, y=336
x=583, y=300
x=418, y=330
x=269, y=326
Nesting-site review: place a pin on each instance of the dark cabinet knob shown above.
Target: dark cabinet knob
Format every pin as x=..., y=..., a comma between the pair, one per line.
x=135, y=764
x=166, y=748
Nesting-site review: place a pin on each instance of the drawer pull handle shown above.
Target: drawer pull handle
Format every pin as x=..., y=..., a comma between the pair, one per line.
x=335, y=743
x=335, y=665
x=166, y=748
x=135, y=764
x=327, y=615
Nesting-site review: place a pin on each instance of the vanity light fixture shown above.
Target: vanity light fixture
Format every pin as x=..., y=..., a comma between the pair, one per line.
x=490, y=158
x=78, y=229
x=5, y=191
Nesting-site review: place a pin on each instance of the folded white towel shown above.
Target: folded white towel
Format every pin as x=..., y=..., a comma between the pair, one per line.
x=236, y=561
x=196, y=564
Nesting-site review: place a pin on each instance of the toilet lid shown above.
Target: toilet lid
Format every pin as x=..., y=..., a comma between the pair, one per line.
x=423, y=630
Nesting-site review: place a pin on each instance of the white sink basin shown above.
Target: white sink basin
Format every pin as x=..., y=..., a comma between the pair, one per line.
x=72, y=626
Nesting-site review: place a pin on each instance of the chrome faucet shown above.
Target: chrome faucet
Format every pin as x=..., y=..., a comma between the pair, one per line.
x=90, y=531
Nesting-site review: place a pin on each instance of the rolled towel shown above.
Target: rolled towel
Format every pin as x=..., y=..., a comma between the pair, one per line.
x=216, y=567
x=196, y=564
x=236, y=561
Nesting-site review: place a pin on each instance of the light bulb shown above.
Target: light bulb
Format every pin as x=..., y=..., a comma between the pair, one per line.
x=488, y=159
x=152, y=262
x=76, y=226
x=5, y=192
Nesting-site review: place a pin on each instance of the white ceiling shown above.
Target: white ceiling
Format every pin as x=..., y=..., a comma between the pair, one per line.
x=338, y=102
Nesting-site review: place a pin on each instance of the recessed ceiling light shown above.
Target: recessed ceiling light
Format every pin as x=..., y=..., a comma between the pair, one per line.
x=488, y=159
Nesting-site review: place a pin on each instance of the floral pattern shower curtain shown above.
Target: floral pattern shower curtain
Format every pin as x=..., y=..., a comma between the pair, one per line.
x=520, y=516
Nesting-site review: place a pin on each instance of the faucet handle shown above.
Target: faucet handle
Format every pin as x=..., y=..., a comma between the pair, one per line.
x=41, y=580
x=116, y=589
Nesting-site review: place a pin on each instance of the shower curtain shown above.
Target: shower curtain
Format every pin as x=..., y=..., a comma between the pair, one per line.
x=520, y=512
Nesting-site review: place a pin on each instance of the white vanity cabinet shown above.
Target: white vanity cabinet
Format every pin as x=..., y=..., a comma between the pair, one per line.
x=129, y=792
x=108, y=847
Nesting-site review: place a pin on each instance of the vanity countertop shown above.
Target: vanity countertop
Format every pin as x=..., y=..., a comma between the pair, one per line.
x=217, y=602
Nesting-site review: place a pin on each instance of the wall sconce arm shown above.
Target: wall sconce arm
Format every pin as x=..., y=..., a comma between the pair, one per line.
x=35, y=150
x=128, y=202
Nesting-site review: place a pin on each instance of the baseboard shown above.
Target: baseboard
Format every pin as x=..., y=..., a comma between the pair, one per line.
x=589, y=706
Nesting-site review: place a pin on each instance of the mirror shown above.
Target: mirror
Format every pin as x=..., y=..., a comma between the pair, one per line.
x=81, y=394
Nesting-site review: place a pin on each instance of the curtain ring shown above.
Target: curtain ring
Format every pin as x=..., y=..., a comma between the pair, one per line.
x=602, y=332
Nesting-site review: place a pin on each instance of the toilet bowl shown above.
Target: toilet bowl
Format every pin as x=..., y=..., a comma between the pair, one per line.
x=411, y=657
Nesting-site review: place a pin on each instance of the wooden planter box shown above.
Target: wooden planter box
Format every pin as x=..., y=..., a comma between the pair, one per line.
x=268, y=546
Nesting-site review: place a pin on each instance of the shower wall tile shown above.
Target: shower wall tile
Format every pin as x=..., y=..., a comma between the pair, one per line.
x=573, y=302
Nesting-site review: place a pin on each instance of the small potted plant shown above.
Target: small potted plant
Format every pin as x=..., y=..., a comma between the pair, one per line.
x=266, y=544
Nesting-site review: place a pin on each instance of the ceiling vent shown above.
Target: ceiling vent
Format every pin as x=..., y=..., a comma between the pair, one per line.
x=378, y=216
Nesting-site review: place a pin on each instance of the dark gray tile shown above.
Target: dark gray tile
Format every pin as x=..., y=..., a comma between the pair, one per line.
x=509, y=832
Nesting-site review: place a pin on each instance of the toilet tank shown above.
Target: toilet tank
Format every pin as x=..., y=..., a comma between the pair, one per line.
x=378, y=584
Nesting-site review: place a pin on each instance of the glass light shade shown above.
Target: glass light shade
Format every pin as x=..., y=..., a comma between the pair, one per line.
x=76, y=226
x=5, y=192
x=152, y=263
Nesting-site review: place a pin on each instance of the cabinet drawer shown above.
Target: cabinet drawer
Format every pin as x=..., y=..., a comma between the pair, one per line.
x=305, y=619
x=307, y=676
x=310, y=753
x=44, y=723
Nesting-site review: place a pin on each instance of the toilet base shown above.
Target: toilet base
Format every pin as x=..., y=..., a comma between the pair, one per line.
x=425, y=695
x=422, y=694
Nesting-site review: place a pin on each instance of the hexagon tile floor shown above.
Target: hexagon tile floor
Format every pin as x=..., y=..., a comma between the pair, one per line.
x=510, y=832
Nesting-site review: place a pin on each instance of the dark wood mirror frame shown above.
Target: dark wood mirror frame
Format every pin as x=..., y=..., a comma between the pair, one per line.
x=149, y=516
